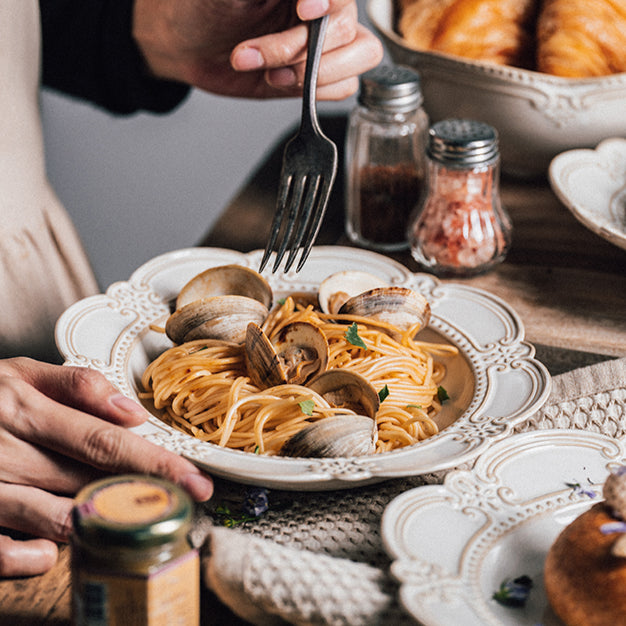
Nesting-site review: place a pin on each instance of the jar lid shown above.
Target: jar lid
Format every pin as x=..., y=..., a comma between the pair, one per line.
x=391, y=87
x=131, y=511
x=459, y=142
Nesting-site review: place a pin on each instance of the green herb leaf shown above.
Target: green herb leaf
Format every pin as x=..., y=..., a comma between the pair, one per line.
x=352, y=335
x=413, y=406
x=282, y=301
x=307, y=406
x=442, y=394
x=383, y=393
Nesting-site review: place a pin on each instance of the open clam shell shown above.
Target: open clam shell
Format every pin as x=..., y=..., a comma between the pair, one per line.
x=345, y=389
x=339, y=287
x=218, y=304
x=226, y=280
x=336, y=436
x=297, y=353
x=219, y=317
x=400, y=306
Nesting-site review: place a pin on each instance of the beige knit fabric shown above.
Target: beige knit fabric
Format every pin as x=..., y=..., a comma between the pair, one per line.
x=318, y=558
x=43, y=268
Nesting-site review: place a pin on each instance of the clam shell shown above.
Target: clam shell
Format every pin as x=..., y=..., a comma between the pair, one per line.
x=297, y=353
x=346, y=389
x=226, y=280
x=336, y=436
x=219, y=317
x=339, y=287
x=399, y=306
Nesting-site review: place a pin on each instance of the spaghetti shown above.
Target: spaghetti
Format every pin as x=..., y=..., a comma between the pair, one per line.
x=204, y=388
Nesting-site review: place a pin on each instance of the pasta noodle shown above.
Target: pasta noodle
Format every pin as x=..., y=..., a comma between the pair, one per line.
x=204, y=388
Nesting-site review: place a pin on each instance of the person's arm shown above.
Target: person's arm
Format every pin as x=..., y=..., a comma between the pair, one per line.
x=88, y=52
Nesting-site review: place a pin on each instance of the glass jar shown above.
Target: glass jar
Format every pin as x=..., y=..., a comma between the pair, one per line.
x=132, y=564
x=460, y=228
x=385, y=145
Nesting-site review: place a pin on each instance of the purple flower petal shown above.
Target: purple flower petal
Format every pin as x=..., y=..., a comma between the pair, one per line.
x=613, y=527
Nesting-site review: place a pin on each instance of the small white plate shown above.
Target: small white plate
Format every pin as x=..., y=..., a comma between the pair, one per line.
x=592, y=184
x=454, y=544
x=495, y=383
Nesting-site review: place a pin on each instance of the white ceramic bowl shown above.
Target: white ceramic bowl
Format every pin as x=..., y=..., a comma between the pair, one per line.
x=537, y=115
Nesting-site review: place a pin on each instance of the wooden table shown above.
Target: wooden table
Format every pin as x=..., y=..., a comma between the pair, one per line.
x=567, y=284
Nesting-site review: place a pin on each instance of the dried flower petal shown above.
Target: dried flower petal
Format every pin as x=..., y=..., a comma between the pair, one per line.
x=256, y=502
x=514, y=593
x=613, y=527
x=579, y=490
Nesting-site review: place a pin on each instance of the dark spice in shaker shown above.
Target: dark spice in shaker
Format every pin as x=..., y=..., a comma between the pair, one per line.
x=385, y=152
x=388, y=194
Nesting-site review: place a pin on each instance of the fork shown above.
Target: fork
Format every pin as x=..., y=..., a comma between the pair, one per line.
x=308, y=171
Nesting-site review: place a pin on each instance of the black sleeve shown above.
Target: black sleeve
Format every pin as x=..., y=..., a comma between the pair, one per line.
x=88, y=52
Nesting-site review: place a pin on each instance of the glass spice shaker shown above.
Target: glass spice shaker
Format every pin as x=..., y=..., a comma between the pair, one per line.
x=460, y=228
x=385, y=145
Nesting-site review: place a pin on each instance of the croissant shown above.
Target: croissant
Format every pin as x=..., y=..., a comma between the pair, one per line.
x=499, y=31
x=582, y=38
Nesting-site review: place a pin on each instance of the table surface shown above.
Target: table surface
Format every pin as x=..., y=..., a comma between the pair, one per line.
x=567, y=284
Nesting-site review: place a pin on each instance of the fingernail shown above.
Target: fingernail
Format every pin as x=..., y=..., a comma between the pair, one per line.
x=127, y=405
x=312, y=9
x=198, y=485
x=282, y=77
x=247, y=59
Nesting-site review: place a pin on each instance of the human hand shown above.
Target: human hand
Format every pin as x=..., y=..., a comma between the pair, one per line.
x=252, y=48
x=61, y=428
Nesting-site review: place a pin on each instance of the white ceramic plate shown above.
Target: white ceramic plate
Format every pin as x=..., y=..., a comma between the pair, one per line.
x=454, y=544
x=494, y=385
x=592, y=184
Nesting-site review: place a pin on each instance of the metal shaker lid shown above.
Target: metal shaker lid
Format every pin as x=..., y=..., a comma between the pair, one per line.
x=459, y=142
x=392, y=88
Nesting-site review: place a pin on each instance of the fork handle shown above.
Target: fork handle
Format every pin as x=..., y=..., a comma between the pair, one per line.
x=317, y=32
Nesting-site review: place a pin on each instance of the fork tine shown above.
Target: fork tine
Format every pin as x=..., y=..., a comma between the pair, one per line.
x=297, y=191
x=281, y=203
x=316, y=220
x=303, y=225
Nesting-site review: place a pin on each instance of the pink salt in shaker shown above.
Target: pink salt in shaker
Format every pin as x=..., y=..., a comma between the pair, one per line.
x=460, y=228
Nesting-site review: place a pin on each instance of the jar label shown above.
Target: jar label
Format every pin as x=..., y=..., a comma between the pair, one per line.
x=167, y=597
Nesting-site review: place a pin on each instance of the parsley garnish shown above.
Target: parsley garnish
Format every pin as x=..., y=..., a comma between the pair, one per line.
x=307, y=406
x=383, y=393
x=413, y=406
x=442, y=394
x=352, y=335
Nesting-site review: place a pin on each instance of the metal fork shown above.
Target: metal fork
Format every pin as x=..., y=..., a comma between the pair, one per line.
x=308, y=171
